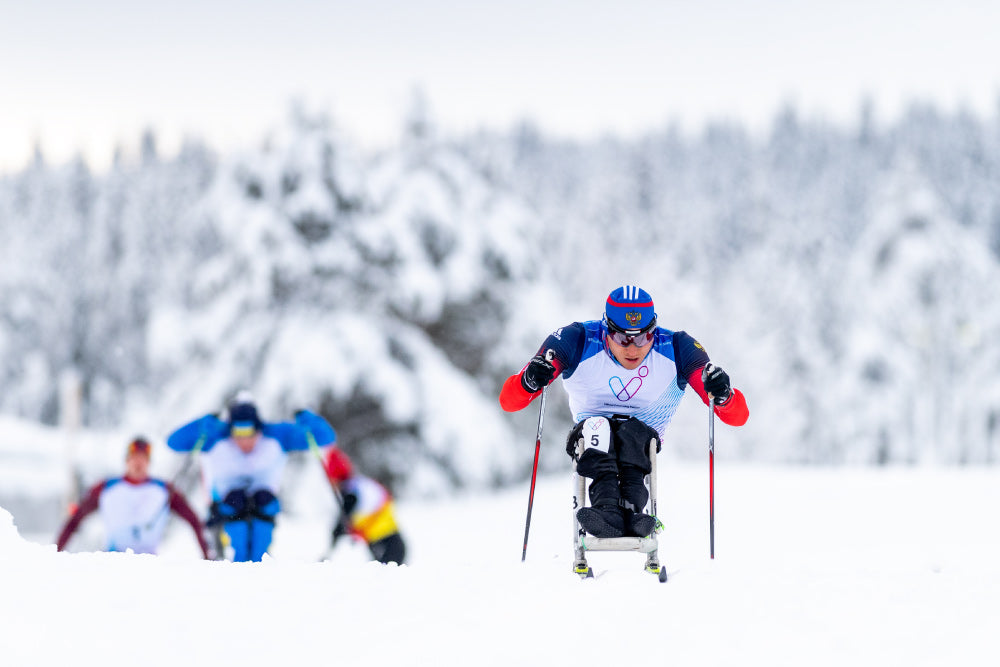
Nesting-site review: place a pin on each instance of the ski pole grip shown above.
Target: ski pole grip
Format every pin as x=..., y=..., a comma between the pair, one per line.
x=704, y=378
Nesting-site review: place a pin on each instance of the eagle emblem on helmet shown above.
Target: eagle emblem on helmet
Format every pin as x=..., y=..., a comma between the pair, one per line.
x=633, y=317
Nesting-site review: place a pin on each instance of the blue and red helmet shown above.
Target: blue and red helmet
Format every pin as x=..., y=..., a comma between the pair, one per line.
x=630, y=310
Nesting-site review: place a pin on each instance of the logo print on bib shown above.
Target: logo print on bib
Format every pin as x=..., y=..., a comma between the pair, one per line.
x=624, y=392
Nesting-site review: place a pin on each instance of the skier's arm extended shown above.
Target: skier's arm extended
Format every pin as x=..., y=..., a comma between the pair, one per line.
x=522, y=387
x=87, y=505
x=692, y=359
x=734, y=411
x=180, y=507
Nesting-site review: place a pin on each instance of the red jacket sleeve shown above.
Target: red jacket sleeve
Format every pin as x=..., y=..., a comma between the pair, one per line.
x=735, y=412
x=513, y=396
x=180, y=507
x=89, y=503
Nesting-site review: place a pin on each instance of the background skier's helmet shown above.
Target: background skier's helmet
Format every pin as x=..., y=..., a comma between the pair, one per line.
x=630, y=310
x=139, y=445
x=338, y=466
x=243, y=418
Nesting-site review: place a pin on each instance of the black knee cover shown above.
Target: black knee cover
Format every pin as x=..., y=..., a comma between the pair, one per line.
x=594, y=462
x=632, y=438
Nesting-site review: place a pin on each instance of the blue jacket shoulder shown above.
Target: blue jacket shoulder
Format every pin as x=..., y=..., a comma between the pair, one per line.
x=200, y=434
x=308, y=429
x=319, y=428
x=570, y=342
x=689, y=356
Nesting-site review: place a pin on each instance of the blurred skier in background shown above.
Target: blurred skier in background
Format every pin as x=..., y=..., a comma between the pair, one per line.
x=243, y=462
x=134, y=508
x=367, y=510
x=625, y=377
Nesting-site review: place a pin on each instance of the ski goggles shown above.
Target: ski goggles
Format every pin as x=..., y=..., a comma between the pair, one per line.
x=623, y=338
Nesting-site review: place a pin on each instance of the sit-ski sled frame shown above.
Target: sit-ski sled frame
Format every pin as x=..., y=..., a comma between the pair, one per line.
x=582, y=542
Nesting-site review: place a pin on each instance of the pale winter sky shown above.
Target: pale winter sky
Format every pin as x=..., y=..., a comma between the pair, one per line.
x=85, y=77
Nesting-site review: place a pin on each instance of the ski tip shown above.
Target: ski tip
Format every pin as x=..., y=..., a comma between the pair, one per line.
x=659, y=570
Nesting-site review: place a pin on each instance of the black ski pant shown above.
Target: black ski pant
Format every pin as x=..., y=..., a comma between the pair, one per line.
x=390, y=549
x=619, y=474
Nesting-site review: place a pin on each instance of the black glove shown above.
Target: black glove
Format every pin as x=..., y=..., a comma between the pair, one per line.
x=537, y=374
x=717, y=384
x=573, y=439
x=214, y=516
x=349, y=501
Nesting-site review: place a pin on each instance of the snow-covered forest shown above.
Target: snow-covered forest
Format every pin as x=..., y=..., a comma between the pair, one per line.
x=844, y=276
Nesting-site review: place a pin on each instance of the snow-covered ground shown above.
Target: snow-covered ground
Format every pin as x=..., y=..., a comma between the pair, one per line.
x=813, y=567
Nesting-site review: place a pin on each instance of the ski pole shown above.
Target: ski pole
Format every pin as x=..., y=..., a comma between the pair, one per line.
x=344, y=516
x=314, y=448
x=711, y=475
x=534, y=468
x=182, y=471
